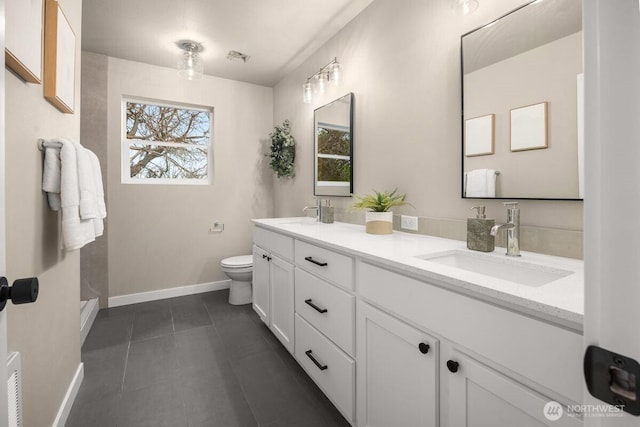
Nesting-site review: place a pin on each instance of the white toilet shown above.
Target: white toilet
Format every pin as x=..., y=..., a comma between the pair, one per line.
x=240, y=270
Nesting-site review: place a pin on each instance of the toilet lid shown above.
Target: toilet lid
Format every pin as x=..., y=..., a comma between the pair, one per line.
x=238, y=261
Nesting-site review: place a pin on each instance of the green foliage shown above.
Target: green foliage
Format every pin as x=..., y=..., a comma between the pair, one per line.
x=380, y=201
x=282, y=150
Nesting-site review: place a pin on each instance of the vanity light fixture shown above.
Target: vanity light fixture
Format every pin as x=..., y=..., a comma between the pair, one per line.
x=329, y=74
x=464, y=7
x=190, y=65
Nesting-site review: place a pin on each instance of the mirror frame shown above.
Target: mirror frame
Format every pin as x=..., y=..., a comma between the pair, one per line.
x=462, y=117
x=315, y=147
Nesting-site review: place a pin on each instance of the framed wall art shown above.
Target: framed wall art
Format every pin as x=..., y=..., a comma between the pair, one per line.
x=529, y=127
x=59, y=58
x=23, y=32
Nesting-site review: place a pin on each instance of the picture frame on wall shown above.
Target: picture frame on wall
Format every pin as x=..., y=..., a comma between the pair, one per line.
x=529, y=127
x=59, y=58
x=479, y=136
x=23, y=39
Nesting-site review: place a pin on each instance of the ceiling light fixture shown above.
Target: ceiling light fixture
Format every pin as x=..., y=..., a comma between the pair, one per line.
x=190, y=65
x=464, y=7
x=329, y=74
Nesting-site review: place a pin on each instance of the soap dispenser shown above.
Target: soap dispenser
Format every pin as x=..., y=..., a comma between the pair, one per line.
x=479, y=236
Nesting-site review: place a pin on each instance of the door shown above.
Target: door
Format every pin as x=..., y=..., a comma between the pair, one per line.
x=612, y=187
x=260, y=297
x=3, y=314
x=481, y=397
x=281, y=282
x=397, y=377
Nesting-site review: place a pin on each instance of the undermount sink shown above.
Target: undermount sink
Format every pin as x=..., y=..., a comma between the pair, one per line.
x=512, y=270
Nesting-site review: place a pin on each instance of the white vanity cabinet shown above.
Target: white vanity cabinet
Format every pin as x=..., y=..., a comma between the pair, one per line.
x=391, y=346
x=325, y=322
x=481, y=396
x=273, y=284
x=397, y=372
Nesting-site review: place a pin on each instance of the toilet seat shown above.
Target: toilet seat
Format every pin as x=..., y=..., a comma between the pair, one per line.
x=237, y=262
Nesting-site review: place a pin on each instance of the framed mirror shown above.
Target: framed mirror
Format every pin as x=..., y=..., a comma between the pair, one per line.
x=333, y=153
x=522, y=104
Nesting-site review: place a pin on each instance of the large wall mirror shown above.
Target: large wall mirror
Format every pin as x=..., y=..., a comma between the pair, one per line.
x=333, y=154
x=522, y=104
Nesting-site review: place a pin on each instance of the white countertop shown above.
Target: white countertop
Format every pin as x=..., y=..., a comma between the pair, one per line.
x=560, y=301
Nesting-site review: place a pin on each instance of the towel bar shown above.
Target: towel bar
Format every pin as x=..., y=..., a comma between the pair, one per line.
x=42, y=144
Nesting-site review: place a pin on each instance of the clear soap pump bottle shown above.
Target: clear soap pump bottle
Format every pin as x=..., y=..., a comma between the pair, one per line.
x=479, y=236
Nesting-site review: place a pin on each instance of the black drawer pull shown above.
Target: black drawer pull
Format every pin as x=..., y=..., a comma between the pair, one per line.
x=453, y=366
x=315, y=307
x=310, y=259
x=315, y=362
x=423, y=347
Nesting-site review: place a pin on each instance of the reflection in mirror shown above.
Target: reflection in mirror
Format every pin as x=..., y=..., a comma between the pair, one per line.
x=333, y=135
x=524, y=70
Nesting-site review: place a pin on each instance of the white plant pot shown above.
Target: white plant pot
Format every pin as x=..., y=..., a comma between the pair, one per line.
x=379, y=222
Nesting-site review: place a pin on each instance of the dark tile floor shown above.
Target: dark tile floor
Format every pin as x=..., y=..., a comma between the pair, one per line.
x=193, y=361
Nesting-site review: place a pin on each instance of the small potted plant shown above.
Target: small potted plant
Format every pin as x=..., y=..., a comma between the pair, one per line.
x=378, y=218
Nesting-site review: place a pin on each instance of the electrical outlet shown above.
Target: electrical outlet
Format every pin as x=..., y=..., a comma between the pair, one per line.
x=409, y=222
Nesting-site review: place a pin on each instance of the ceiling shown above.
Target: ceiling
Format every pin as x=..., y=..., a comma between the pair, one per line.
x=278, y=35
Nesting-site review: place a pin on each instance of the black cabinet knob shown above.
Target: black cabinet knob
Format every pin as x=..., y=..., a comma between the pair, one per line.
x=423, y=347
x=453, y=366
x=23, y=291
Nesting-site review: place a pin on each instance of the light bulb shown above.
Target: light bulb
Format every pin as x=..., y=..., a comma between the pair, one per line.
x=307, y=92
x=335, y=73
x=321, y=82
x=464, y=7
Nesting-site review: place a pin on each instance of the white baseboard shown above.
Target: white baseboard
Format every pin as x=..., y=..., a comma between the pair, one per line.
x=69, y=398
x=88, y=314
x=168, y=293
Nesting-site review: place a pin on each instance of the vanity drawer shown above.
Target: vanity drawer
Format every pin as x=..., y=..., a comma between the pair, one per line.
x=330, y=368
x=274, y=242
x=327, y=308
x=334, y=267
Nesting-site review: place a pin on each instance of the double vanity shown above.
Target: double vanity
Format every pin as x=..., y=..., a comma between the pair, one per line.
x=411, y=330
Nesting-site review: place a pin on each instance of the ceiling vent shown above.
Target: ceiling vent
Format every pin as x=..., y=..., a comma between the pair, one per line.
x=234, y=55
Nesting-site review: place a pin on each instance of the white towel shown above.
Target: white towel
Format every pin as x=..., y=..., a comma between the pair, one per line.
x=75, y=232
x=86, y=183
x=100, y=208
x=51, y=177
x=481, y=183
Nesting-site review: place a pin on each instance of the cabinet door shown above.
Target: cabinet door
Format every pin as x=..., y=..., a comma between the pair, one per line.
x=397, y=372
x=480, y=397
x=282, y=301
x=261, y=283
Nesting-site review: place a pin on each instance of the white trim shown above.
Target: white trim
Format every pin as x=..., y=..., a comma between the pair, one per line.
x=87, y=315
x=180, y=291
x=69, y=398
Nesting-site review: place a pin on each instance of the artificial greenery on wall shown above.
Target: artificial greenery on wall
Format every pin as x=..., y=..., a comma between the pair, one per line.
x=282, y=150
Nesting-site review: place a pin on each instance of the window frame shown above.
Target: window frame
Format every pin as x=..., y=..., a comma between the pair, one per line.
x=125, y=144
x=341, y=128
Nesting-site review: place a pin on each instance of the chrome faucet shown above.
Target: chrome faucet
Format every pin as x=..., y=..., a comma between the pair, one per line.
x=513, y=229
x=316, y=208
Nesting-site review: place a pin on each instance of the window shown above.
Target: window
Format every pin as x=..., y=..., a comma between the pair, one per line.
x=333, y=157
x=166, y=144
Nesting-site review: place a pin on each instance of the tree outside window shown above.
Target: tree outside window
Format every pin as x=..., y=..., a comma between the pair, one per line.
x=166, y=144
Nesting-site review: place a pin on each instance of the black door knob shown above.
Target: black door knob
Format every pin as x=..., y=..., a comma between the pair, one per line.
x=453, y=366
x=423, y=347
x=23, y=291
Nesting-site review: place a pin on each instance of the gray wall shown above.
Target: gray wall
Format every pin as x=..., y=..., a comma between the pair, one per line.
x=47, y=333
x=402, y=61
x=94, y=262
x=158, y=234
